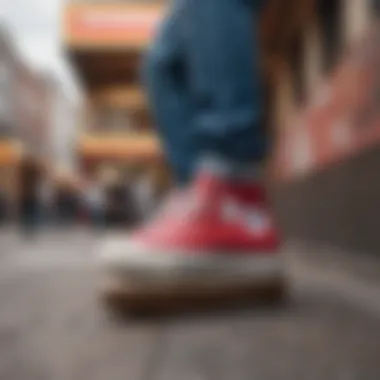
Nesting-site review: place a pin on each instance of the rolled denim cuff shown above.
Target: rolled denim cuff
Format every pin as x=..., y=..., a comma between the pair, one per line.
x=225, y=168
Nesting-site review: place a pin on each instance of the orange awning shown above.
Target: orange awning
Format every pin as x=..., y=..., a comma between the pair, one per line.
x=131, y=147
x=110, y=25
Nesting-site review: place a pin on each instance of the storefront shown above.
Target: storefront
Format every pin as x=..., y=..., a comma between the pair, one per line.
x=105, y=43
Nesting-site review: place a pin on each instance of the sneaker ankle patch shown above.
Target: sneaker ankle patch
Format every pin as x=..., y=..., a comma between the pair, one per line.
x=256, y=220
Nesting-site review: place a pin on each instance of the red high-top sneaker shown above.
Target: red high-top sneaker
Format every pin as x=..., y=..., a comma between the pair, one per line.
x=216, y=238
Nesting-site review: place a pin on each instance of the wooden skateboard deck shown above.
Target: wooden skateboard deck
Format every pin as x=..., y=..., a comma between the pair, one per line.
x=124, y=296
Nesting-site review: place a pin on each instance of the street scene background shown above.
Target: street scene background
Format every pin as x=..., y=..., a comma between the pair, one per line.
x=80, y=159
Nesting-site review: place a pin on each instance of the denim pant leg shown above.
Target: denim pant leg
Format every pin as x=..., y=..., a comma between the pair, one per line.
x=166, y=80
x=222, y=54
x=203, y=80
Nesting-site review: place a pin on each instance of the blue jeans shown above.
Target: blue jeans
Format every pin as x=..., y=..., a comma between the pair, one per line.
x=204, y=83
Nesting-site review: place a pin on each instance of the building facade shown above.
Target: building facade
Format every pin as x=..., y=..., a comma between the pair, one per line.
x=33, y=114
x=7, y=79
x=64, y=121
x=37, y=122
x=326, y=116
x=10, y=151
x=105, y=43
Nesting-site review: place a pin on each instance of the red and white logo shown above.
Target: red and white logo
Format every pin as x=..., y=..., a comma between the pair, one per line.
x=255, y=219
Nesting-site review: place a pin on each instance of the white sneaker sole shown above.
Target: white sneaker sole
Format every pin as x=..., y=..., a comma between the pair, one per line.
x=123, y=260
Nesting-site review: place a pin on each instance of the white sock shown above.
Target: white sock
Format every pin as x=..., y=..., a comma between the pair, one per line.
x=232, y=170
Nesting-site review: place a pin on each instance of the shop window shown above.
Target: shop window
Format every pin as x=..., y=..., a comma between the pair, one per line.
x=330, y=21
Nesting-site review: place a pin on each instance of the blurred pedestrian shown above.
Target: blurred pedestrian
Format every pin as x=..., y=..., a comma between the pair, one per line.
x=30, y=176
x=95, y=203
x=45, y=197
x=129, y=202
x=144, y=194
x=3, y=207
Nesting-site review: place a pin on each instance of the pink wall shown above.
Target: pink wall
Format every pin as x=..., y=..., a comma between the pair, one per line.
x=341, y=121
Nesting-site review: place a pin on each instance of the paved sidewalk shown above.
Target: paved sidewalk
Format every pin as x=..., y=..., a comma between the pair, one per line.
x=53, y=328
x=352, y=276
